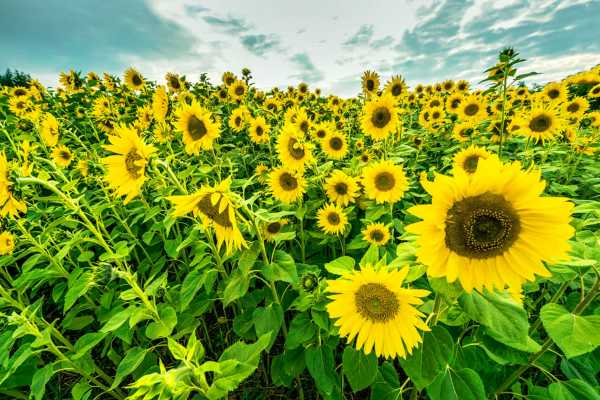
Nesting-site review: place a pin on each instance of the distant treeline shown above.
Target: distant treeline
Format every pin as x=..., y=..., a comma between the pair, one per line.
x=14, y=78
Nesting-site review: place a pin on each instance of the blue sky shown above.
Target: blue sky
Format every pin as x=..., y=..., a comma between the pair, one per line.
x=323, y=42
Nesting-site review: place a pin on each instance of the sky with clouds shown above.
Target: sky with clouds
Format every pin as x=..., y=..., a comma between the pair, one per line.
x=327, y=43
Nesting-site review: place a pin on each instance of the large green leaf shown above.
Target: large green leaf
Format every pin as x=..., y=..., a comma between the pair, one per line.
x=320, y=364
x=268, y=319
x=39, y=381
x=165, y=325
x=237, y=286
x=462, y=384
x=133, y=358
x=429, y=359
x=359, y=368
x=574, y=389
x=301, y=331
x=574, y=334
x=341, y=265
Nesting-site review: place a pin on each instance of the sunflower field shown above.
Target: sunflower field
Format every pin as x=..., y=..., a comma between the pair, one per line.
x=200, y=240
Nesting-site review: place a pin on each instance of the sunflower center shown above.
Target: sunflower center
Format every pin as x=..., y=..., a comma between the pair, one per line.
x=553, y=94
x=385, y=181
x=137, y=81
x=377, y=235
x=470, y=163
x=596, y=90
x=259, y=131
x=455, y=103
x=481, y=226
x=175, y=83
x=381, y=117
x=573, y=108
x=333, y=218
x=376, y=303
x=370, y=84
x=304, y=126
x=435, y=115
x=341, y=188
x=296, y=149
x=288, y=182
x=65, y=155
x=321, y=133
x=274, y=227
x=435, y=103
x=541, y=123
x=207, y=208
x=471, y=109
x=396, y=90
x=239, y=90
x=336, y=143
x=196, y=127
x=238, y=121
x=130, y=163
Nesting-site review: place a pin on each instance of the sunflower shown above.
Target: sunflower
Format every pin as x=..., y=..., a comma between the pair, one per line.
x=19, y=91
x=376, y=233
x=453, y=102
x=259, y=130
x=491, y=229
x=335, y=146
x=555, y=92
x=215, y=207
x=7, y=243
x=370, y=82
x=396, y=87
x=83, y=167
x=472, y=109
x=575, y=108
x=302, y=121
x=372, y=306
x=270, y=230
x=199, y=129
x=322, y=130
x=238, y=90
x=49, y=130
x=341, y=188
x=173, y=82
x=365, y=157
x=272, y=105
x=133, y=79
x=160, y=104
x=20, y=106
x=62, y=156
x=448, y=85
x=384, y=182
x=594, y=92
x=380, y=117
x=228, y=78
x=287, y=185
x=332, y=219
x=594, y=118
x=463, y=131
x=126, y=168
x=542, y=123
x=468, y=159
x=293, y=152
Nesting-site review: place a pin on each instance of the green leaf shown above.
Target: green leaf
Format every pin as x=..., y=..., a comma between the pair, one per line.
x=505, y=320
x=359, y=368
x=371, y=256
x=341, y=265
x=320, y=364
x=163, y=327
x=283, y=268
x=78, y=286
x=574, y=389
x=462, y=384
x=117, y=320
x=429, y=359
x=39, y=381
x=133, y=358
x=387, y=385
x=301, y=331
x=268, y=319
x=238, y=285
x=574, y=334
x=190, y=286
x=86, y=343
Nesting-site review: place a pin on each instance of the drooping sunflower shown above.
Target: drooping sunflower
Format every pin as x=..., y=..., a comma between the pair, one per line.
x=216, y=209
x=126, y=167
x=198, y=127
x=160, y=104
x=341, y=188
x=270, y=230
x=62, y=156
x=372, y=306
x=471, y=109
x=238, y=90
x=7, y=243
x=380, y=117
x=335, y=146
x=287, y=186
x=468, y=159
x=332, y=219
x=376, y=233
x=396, y=87
x=49, y=130
x=542, y=122
x=384, y=182
x=493, y=228
x=259, y=130
x=133, y=79
x=294, y=152
x=370, y=82
x=575, y=108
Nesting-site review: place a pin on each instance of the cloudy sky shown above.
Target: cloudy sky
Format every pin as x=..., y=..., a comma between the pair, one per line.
x=326, y=43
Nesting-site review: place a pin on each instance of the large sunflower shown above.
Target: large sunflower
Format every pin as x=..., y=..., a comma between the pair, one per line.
x=332, y=219
x=126, y=168
x=380, y=117
x=215, y=208
x=49, y=130
x=384, y=182
x=491, y=228
x=396, y=87
x=555, y=92
x=370, y=82
x=335, y=146
x=542, y=123
x=198, y=127
x=341, y=188
x=293, y=151
x=372, y=306
x=238, y=90
x=468, y=159
x=133, y=79
x=287, y=185
x=376, y=233
x=472, y=109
